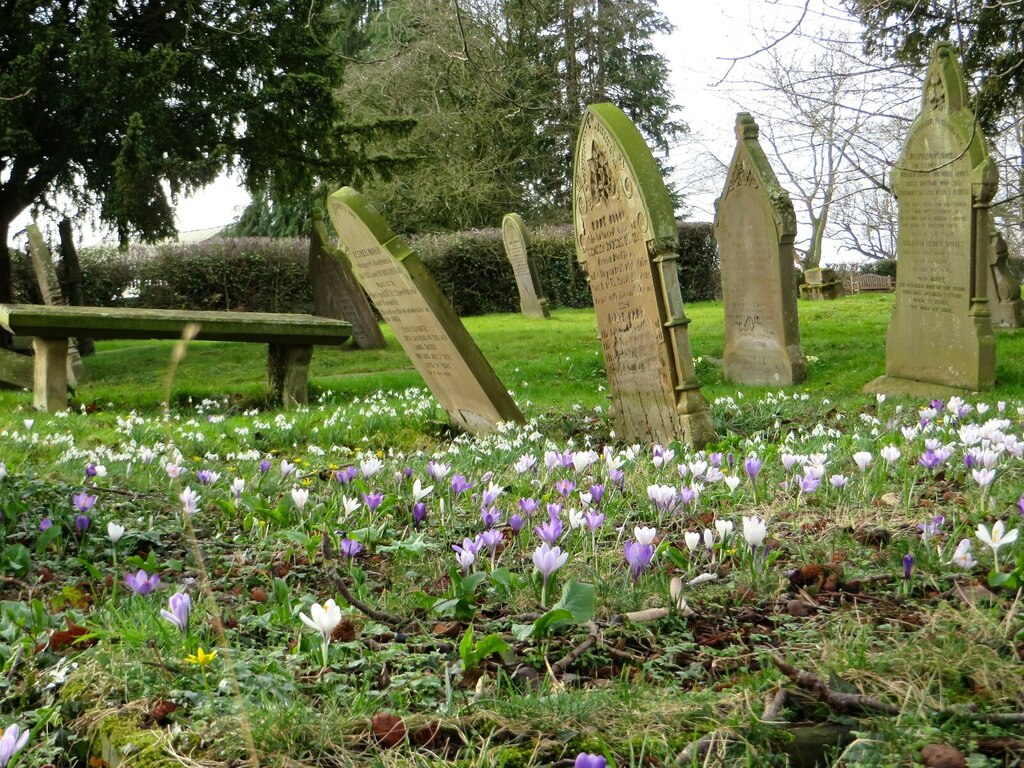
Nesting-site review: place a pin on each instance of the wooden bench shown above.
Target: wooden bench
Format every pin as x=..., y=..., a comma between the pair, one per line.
x=290, y=339
x=870, y=282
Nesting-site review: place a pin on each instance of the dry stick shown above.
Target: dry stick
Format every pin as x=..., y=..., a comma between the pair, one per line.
x=844, y=703
x=385, y=618
x=563, y=664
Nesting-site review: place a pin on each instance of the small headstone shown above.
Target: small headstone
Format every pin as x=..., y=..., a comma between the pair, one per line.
x=755, y=227
x=1003, y=289
x=821, y=284
x=336, y=292
x=49, y=289
x=422, y=319
x=940, y=334
x=517, y=245
x=626, y=240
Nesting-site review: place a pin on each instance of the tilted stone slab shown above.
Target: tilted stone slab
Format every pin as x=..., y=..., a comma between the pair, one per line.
x=422, y=319
x=517, y=247
x=15, y=370
x=626, y=239
x=1004, y=300
x=49, y=289
x=755, y=227
x=940, y=332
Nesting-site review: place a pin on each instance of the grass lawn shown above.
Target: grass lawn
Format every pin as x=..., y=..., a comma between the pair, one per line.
x=837, y=582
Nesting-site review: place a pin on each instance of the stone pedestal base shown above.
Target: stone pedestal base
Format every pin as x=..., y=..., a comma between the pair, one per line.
x=923, y=390
x=822, y=291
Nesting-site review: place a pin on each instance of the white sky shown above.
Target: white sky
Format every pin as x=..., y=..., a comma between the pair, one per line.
x=707, y=34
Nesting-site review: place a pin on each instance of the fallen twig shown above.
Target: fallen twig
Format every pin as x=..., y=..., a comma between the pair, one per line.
x=844, y=703
x=382, y=616
x=564, y=663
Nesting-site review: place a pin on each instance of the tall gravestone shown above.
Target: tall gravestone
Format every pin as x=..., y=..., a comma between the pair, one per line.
x=517, y=247
x=1004, y=300
x=49, y=290
x=755, y=227
x=626, y=239
x=422, y=319
x=940, y=333
x=336, y=292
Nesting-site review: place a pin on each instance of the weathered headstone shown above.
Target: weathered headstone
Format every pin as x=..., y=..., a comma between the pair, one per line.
x=336, y=292
x=940, y=334
x=755, y=227
x=49, y=289
x=517, y=245
x=1004, y=300
x=821, y=284
x=15, y=370
x=626, y=239
x=422, y=319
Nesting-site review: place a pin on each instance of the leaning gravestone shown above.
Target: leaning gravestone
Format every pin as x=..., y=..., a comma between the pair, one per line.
x=517, y=245
x=422, y=319
x=336, y=292
x=1003, y=289
x=821, y=284
x=626, y=239
x=49, y=290
x=755, y=227
x=940, y=333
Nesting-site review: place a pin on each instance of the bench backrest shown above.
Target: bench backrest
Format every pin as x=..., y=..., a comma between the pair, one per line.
x=871, y=282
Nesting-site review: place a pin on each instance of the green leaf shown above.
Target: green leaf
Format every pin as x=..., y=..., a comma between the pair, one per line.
x=47, y=537
x=579, y=600
x=551, y=620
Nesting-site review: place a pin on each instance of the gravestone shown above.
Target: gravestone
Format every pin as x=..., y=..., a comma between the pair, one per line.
x=517, y=244
x=821, y=284
x=336, y=292
x=626, y=239
x=755, y=227
x=422, y=319
x=1003, y=289
x=940, y=335
x=49, y=289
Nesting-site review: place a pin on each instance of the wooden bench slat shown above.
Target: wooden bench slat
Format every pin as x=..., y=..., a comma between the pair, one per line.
x=131, y=323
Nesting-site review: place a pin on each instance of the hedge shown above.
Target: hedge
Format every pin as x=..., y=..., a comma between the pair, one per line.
x=270, y=274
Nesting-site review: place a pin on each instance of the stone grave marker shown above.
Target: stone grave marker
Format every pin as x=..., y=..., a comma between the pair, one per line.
x=49, y=289
x=422, y=319
x=336, y=292
x=626, y=240
x=755, y=227
x=821, y=284
x=517, y=244
x=1004, y=300
x=940, y=334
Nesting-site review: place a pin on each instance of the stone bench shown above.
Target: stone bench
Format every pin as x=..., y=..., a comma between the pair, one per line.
x=290, y=339
x=869, y=282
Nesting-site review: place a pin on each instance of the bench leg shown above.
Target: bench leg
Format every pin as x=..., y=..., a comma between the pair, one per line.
x=288, y=371
x=50, y=389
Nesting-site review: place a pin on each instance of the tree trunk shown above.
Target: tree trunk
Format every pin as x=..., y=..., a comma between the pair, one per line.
x=6, y=281
x=71, y=274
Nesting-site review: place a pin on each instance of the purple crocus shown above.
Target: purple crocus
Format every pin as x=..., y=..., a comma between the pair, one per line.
x=419, y=513
x=929, y=460
x=350, y=547
x=565, y=487
x=551, y=531
x=617, y=478
x=491, y=516
x=90, y=470
x=529, y=506
x=1020, y=504
x=930, y=527
x=460, y=484
x=45, y=523
x=516, y=523
x=596, y=494
x=466, y=554
x=264, y=466
x=548, y=559
x=83, y=501
x=639, y=557
x=908, y=566
x=180, y=605
x=752, y=465
x=82, y=523
x=489, y=540
x=141, y=583
x=594, y=520
x=808, y=483
x=346, y=475
x=373, y=500
x=590, y=760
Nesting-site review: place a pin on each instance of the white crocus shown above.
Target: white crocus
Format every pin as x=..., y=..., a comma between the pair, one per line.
x=644, y=535
x=862, y=459
x=300, y=496
x=189, y=500
x=323, y=618
x=890, y=453
x=692, y=539
x=996, y=538
x=114, y=532
x=349, y=504
x=724, y=528
x=419, y=492
x=962, y=556
x=754, y=530
x=733, y=482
